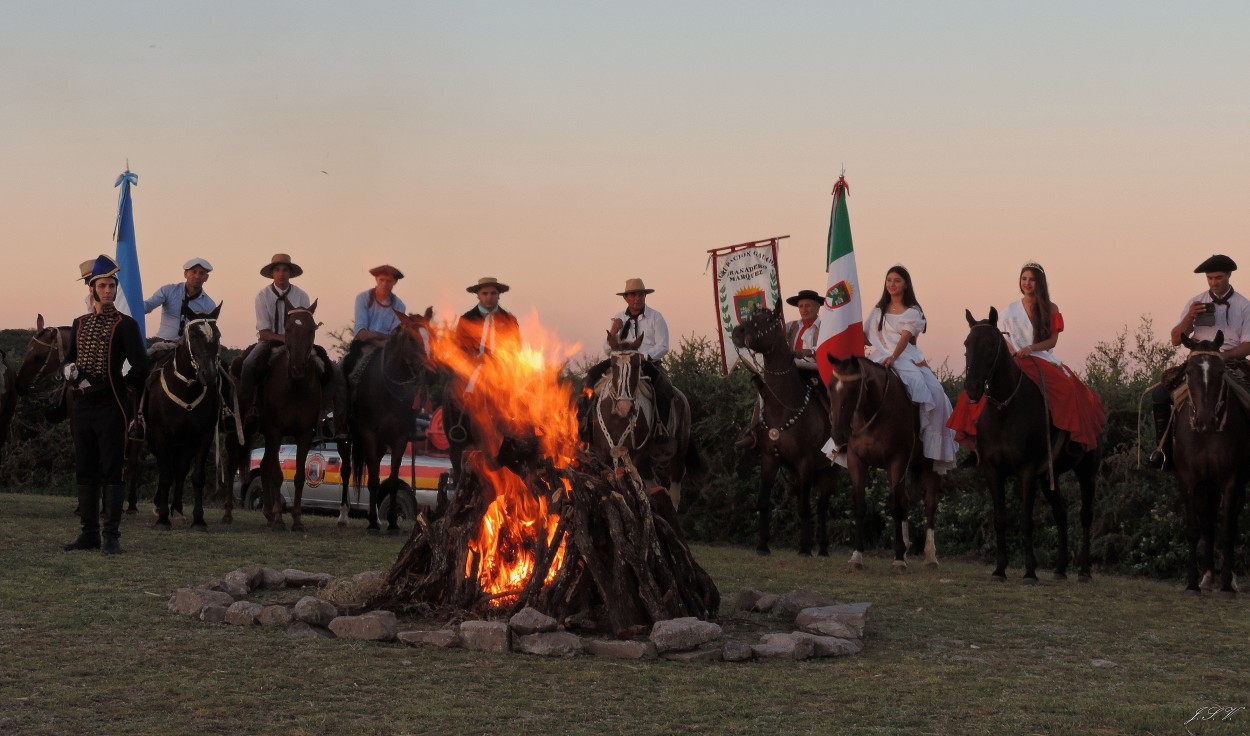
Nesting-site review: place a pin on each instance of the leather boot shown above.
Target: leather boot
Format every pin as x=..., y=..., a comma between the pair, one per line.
x=114, y=497
x=88, y=505
x=1161, y=457
x=585, y=412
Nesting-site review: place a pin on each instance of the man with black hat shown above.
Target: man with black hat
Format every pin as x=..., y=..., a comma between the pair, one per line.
x=801, y=334
x=375, y=316
x=1218, y=309
x=635, y=321
x=100, y=343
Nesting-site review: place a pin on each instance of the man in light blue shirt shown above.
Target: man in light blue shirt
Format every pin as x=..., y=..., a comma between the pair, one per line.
x=180, y=300
x=375, y=316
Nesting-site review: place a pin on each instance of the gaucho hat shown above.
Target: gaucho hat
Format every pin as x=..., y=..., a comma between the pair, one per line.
x=487, y=281
x=804, y=294
x=1217, y=262
x=102, y=267
x=634, y=286
x=280, y=259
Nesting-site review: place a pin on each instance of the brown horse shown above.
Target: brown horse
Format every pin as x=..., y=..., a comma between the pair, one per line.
x=288, y=404
x=45, y=354
x=793, y=427
x=625, y=418
x=382, y=414
x=1212, y=466
x=183, y=406
x=1014, y=435
x=874, y=420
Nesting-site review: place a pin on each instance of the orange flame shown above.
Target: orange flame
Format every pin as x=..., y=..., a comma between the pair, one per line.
x=515, y=393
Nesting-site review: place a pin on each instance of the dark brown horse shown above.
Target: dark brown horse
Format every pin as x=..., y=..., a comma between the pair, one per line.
x=382, y=414
x=625, y=420
x=288, y=404
x=1014, y=437
x=183, y=406
x=1211, y=429
x=793, y=427
x=875, y=422
x=45, y=354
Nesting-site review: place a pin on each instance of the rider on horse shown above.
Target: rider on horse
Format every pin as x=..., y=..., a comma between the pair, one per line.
x=375, y=318
x=1218, y=309
x=801, y=334
x=637, y=320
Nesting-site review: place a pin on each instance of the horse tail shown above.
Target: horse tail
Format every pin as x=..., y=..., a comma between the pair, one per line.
x=358, y=464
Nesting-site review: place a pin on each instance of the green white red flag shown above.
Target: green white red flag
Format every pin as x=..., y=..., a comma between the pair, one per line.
x=841, y=318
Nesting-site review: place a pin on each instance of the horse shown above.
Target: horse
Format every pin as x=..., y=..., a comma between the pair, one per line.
x=625, y=419
x=183, y=400
x=1210, y=430
x=874, y=420
x=45, y=354
x=1014, y=437
x=288, y=404
x=793, y=427
x=381, y=414
x=8, y=399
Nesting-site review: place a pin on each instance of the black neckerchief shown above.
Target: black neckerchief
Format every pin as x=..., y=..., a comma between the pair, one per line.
x=631, y=320
x=282, y=299
x=1222, y=302
x=182, y=311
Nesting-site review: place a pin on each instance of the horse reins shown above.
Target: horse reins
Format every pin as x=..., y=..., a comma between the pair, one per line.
x=56, y=351
x=619, y=392
x=195, y=365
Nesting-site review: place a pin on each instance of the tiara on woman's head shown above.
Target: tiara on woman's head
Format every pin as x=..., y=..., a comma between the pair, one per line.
x=1033, y=265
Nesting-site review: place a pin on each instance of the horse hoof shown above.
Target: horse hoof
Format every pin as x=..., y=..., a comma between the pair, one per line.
x=297, y=526
x=162, y=526
x=898, y=566
x=1084, y=578
x=374, y=530
x=931, y=564
x=763, y=551
x=178, y=520
x=341, y=524
x=200, y=527
x=277, y=526
x=857, y=566
x=805, y=553
x=131, y=511
x=1061, y=577
x=998, y=578
x=1228, y=595
x=1195, y=592
x=227, y=519
x=1030, y=580
x=824, y=552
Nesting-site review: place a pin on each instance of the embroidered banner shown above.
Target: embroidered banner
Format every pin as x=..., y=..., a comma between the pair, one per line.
x=744, y=277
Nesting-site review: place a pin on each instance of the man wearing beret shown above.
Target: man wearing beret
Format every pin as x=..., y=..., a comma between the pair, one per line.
x=375, y=316
x=1218, y=309
x=180, y=300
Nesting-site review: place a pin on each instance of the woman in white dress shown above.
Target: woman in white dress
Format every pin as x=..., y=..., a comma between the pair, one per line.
x=891, y=329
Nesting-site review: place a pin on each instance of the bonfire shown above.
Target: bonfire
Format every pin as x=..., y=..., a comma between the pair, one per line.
x=535, y=521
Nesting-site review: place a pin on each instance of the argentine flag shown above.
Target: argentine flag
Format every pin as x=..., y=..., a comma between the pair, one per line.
x=129, y=285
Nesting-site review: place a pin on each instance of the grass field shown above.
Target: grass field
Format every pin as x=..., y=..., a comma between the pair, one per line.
x=87, y=647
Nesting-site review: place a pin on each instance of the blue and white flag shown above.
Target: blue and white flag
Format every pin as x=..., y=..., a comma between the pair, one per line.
x=130, y=285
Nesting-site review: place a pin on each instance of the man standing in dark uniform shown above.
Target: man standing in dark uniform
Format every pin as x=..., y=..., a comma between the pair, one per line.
x=102, y=340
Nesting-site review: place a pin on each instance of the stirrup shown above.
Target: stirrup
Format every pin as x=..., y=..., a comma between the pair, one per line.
x=1159, y=460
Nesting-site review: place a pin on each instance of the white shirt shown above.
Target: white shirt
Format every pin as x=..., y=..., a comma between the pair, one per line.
x=804, y=341
x=266, y=305
x=1233, y=319
x=1014, y=320
x=652, y=327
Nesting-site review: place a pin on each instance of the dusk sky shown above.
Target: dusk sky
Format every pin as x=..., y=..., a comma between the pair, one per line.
x=564, y=147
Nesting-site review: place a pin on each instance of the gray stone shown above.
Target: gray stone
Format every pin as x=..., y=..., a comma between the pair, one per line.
x=551, y=644
x=231, y=588
x=443, y=638
x=243, y=613
x=747, y=598
x=531, y=621
x=485, y=636
x=274, y=616
x=765, y=603
x=190, y=601
x=614, y=649
x=299, y=578
x=368, y=578
x=1105, y=664
x=789, y=605
x=271, y=579
x=680, y=634
x=248, y=578
x=304, y=630
x=736, y=651
x=213, y=614
x=783, y=646
x=711, y=653
x=852, y=615
x=314, y=611
x=830, y=646
x=372, y=626
x=826, y=626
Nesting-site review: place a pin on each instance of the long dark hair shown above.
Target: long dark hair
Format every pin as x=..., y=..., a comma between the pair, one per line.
x=1040, y=314
x=909, y=296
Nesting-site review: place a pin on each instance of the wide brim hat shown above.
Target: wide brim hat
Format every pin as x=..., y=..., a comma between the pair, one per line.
x=84, y=269
x=487, y=281
x=804, y=294
x=197, y=262
x=280, y=259
x=1217, y=262
x=102, y=267
x=386, y=268
x=634, y=286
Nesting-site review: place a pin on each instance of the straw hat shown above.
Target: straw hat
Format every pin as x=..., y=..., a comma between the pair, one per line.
x=487, y=281
x=280, y=259
x=84, y=269
x=633, y=286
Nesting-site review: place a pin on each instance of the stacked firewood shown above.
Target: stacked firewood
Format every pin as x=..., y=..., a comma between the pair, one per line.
x=626, y=563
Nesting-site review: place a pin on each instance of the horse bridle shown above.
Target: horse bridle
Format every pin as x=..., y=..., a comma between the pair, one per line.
x=54, y=351
x=195, y=367
x=619, y=393
x=392, y=385
x=1221, y=399
x=859, y=399
x=994, y=364
x=774, y=325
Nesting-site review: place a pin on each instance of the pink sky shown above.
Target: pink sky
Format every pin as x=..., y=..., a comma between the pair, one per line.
x=565, y=148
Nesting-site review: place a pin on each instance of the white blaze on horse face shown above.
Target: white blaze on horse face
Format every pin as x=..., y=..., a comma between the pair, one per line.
x=622, y=408
x=1206, y=373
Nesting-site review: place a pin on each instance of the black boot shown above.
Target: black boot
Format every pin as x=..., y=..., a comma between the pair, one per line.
x=1161, y=457
x=585, y=412
x=88, y=505
x=114, y=497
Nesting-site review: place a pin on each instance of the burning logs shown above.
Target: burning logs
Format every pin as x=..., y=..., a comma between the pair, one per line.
x=583, y=544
